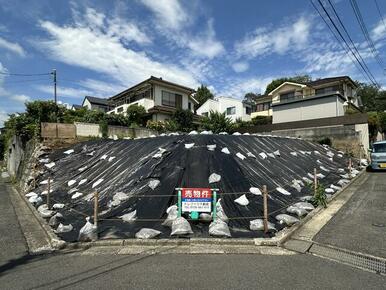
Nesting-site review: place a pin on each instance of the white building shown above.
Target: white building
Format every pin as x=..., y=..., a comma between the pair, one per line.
x=233, y=108
x=160, y=98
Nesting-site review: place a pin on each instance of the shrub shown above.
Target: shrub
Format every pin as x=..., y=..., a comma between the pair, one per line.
x=183, y=119
x=320, y=198
x=326, y=141
x=217, y=122
x=171, y=126
x=158, y=126
x=262, y=120
x=136, y=114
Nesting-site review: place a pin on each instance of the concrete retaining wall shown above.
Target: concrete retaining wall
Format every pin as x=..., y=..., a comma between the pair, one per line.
x=87, y=130
x=58, y=130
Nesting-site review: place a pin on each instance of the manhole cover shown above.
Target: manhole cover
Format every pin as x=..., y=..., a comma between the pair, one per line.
x=378, y=225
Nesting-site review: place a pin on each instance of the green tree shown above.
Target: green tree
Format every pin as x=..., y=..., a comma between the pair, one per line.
x=136, y=115
x=373, y=98
x=382, y=122
x=277, y=82
x=373, y=123
x=217, y=122
x=183, y=119
x=202, y=95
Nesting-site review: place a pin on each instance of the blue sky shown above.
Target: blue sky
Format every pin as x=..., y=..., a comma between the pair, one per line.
x=102, y=47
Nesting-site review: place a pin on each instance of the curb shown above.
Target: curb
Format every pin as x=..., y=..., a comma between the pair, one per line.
x=284, y=235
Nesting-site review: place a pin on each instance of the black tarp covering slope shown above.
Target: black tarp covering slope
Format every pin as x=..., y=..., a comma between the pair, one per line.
x=133, y=166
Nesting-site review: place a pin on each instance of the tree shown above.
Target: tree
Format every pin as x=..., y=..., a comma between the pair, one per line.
x=136, y=114
x=382, y=122
x=277, y=82
x=202, y=95
x=373, y=123
x=183, y=120
x=373, y=98
x=217, y=122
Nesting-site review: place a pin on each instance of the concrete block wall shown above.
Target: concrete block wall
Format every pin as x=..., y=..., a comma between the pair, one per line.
x=87, y=130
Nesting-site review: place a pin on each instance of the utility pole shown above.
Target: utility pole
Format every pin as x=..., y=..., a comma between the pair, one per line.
x=54, y=74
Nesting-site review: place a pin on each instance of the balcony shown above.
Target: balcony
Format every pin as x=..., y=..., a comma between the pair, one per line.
x=146, y=103
x=296, y=98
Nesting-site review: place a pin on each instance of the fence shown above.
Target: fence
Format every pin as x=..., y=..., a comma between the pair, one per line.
x=87, y=130
x=58, y=131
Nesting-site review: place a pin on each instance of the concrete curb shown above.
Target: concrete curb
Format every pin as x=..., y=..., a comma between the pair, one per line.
x=277, y=241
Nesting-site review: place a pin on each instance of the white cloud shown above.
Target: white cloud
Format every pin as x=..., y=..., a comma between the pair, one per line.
x=74, y=93
x=94, y=49
x=239, y=87
x=20, y=98
x=101, y=88
x=379, y=31
x=3, y=117
x=11, y=46
x=240, y=66
x=169, y=13
x=263, y=41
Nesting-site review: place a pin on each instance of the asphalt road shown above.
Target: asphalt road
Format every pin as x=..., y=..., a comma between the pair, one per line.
x=101, y=270
x=360, y=225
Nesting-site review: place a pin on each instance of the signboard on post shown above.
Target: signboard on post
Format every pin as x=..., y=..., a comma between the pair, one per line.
x=196, y=200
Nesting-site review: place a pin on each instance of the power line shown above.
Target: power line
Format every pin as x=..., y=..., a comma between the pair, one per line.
x=365, y=32
x=364, y=69
x=25, y=75
x=380, y=14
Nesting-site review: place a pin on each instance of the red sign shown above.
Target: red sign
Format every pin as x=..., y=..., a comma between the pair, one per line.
x=196, y=199
x=196, y=193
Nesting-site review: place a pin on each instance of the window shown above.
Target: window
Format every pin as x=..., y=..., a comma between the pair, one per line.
x=171, y=99
x=248, y=110
x=379, y=148
x=231, y=111
x=189, y=105
x=263, y=107
x=205, y=114
x=327, y=90
x=287, y=96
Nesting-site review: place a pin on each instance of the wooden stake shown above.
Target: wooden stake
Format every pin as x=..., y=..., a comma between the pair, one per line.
x=48, y=192
x=315, y=182
x=96, y=208
x=265, y=201
x=349, y=165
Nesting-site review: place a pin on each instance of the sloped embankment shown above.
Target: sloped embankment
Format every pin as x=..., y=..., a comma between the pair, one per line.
x=132, y=166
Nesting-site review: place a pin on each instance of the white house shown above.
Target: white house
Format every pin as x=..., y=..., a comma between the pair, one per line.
x=233, y=108
x=160, y=98
x=323, y=98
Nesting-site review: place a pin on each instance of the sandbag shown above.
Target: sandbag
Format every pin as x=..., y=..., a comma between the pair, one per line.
x=45, y=212
x=129, y=217
x=220, y=213
x=242, y=200
x=154, y=183
x=64, y=228
x=55, y=220
x=147, y=233
x=214, y=177
x=297, y=210
x=255, y=191
x=304, y=205
x=172, y=212
x=283, y=191
x=225, y=150
x=286, y=219
x=181, y=226
x=219, y=228
x=88, y=232
x=258, y=225
x=211, y=147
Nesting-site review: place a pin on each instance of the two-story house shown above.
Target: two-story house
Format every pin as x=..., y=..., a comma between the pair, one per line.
x=262, y=106
x=93, y=103
x=233, y=108
x=160, y=98
x=323, y=98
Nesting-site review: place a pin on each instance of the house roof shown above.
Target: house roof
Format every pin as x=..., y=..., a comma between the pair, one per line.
x=97, y=101
x=155, y=80
x=75, y=106
x=287, y=83
x=330, y=80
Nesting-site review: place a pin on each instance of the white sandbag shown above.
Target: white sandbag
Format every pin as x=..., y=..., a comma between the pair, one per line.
x=181, y=226
x=335, y=187
x=189, y=145
x=30, y=194
x=304, y=205
x=307, y=198
x=220, y=213
x=211, y=147
x=76, y=195
x=103, y=157
x=36, y=200
x=45, y=212
x=343, y=182
x=225, y=150
x=241, y=156
x=50, y=165
x=271, y=155
x=310, y=175
x=58, y=205
x=121, y=196
x=205, y=217
x=330, y=154
x=242, y=200
x=45, y=192
x=263, y=155
x=286, y=219
x=157, y=155
x=71, y=182
x=339, y=155
x=55, y=220
x=206, y=132
x=88, y=232
x=193, y=132
x=246, y=134
x=223, y=133
x=111, y=158
x=307, y=180
x=283, y=191
x=277, y=153
x=69, y=151
x=129, y=217
x=214, y=177
x=250, y=154
x=96, y=183
x=82, y=168
x=219, y=228
x=82, y=181
x=324, y=169
x=258, y=225
x=345, y=176
x=297, y=210
x=91, y=153
x=64, y=228
x=309, y=152
x=294, y=154
x=316, y=152
x=320, y=175
x=161, y=150
x=44, y=160
x=72, y=190
x=318, y=161
x=172, y=212
x=236, y=134
x=329, y=190
x=147, y=233
x=341, y=170
x=255, y=191
x=154, y=183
